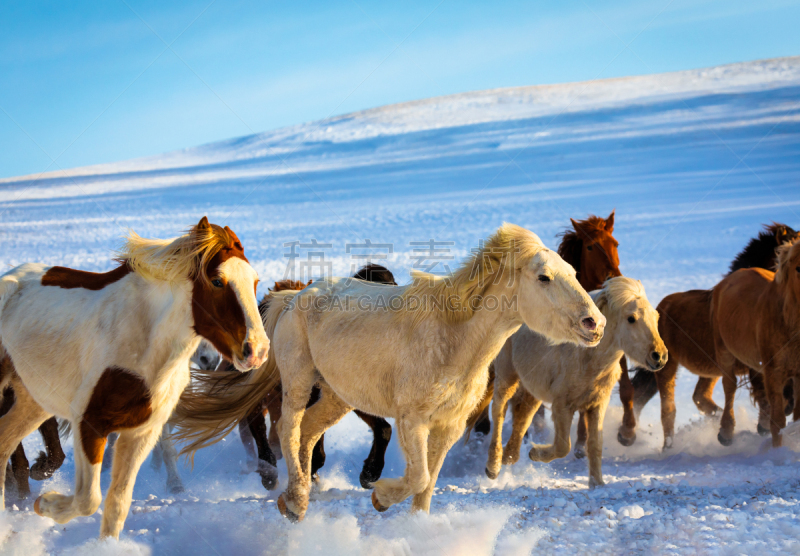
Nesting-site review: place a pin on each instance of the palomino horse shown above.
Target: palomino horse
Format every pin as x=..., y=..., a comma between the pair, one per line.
x=755, y=315
x=253, y=430
x=592, y=251
x=685, y=326
x=425, y=348
x=572, y=378
x=110, y=352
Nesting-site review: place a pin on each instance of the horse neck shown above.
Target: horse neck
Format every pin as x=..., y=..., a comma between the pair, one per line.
x=608, y=351
x=789, y=305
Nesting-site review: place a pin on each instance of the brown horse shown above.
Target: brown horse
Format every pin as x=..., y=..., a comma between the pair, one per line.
x=253, y=428
x=755, y=316
x=685, y=327
x=591, y=249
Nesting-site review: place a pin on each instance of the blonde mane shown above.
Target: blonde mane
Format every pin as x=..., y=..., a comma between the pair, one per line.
x=618, y=291
x=176, y=259
x=448, y=298
x=783, y=266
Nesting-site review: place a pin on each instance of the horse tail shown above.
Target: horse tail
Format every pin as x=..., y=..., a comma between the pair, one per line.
x=481, y=407
x=645, y=386
x=215, y=401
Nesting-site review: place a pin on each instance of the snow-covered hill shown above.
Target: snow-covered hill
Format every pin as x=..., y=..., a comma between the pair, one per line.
x=694, y=162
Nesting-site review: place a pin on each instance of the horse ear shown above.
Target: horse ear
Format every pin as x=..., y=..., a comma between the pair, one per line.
x=780, y=235
x=575, y=224
x=610, y=221
x=203, y=224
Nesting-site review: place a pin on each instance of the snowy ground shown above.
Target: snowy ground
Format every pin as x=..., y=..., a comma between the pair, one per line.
x=693, y=162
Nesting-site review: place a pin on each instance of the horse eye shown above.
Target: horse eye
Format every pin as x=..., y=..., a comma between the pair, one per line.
x=797, y=269
x=544, y=278
x=631, y=319
x=217, y=283
x=589, y=247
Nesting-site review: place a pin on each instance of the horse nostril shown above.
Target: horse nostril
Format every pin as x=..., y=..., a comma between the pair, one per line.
x=657, y=357
x=204, y=361
x=588, y=323
x=247, y=350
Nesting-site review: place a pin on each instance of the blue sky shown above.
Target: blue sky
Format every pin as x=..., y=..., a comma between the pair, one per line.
x=91, y=82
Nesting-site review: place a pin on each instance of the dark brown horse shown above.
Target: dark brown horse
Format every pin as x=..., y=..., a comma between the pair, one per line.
x=253, y=429
x=46, y=462
x=591, y=249
x=755, y=316
x=685, y=327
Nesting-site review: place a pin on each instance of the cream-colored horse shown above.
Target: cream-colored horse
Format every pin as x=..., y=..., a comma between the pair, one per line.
x=417, y=353
x=573, y=378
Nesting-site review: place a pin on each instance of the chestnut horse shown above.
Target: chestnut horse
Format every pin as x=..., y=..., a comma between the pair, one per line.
x=755, y=316
x=685, y=326
x=253, y=429
x=110, y=352
x=591, y=249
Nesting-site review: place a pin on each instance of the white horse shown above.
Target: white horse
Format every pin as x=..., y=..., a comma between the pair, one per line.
x=572, y=378
x=418, y=354
x=110, y=352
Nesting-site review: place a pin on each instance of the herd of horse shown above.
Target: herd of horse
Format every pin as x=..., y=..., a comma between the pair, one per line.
x=172, y=345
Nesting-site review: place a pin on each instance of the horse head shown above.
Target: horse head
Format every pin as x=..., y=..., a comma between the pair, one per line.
x=224, y=297
x=592, y=250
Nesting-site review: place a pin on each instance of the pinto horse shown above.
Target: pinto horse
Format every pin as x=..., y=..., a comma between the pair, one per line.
x=755, y=315
x=425, y=348
x=253, y=430
x=685, y=326
x=110, y=352
x=591, y=249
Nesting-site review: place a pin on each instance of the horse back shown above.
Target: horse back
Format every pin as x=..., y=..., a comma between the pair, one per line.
x=684, y=324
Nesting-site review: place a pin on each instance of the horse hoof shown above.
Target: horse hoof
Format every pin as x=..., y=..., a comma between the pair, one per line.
x=176, y=489
x=579, y=452
x=377, y=505
x=724, y=440
x=762, y=431
x=36, y=506
x=626, y=441
x=285, y=511
x=269, y=482
x=366, y=480
x=491, y=475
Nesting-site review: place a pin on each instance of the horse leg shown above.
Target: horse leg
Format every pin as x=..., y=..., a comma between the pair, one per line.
x=47, y=463
x=702, y=395
x=274, y=409
x=795, y=397
x=665, y=379
x=130, y=450
x=504, y=388
x=257, y=429
x=317, y=458
x=24, y=416
x=562, y=421
x=298, y=377
x=759, y=394
x=174, y=482
x=21, y=471
x=627, y=430
x=728, y=421
x=326, y=412
x=440, y=441
x=381, y=435
x=248, y=443
x=521, y=416
x=773, y=382
x=596, y=415
x=412, y=436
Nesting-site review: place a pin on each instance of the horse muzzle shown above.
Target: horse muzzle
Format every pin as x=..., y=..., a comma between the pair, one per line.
x=254, y=354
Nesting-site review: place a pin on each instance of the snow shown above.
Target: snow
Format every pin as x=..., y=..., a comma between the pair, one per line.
x=694, y=162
